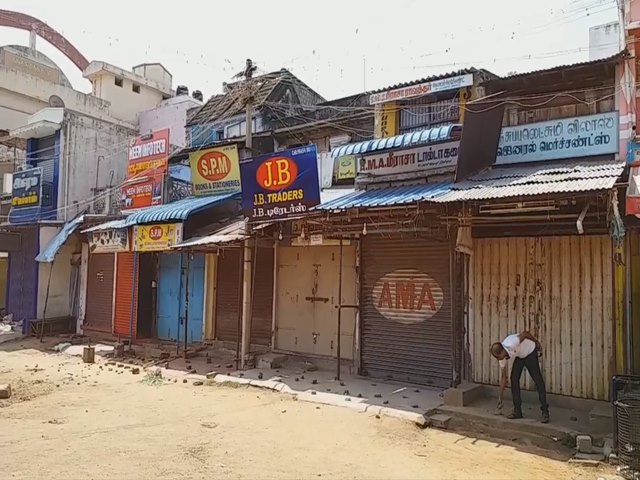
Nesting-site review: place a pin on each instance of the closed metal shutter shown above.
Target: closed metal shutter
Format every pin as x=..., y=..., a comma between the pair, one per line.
x=406, y=310
x=99, y=312
x=22, y=298
x=262, y=297
x=228, y=295
x=125, y=294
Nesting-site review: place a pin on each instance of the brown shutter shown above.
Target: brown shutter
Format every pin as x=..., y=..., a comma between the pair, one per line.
x=99, y=310
x=125, y=294
x=228, y=294
x=262, y=297
x=402, y=344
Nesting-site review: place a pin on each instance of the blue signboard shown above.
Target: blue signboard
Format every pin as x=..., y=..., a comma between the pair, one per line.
x=280, y=185
x=27, y=189
x=559, y=139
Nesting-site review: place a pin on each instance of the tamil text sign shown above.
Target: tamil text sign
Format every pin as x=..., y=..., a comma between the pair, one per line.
x=215, y=170
x=280, y=185
x=426, y=88
x=559, y=139
x=148, y=157
x=108, y=241
x=428, y=158
x=407, y=296
x=27, y=188
x=157, y=237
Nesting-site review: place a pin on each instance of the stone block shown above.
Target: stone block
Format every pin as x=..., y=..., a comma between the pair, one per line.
x=462, y=395
x=211, y=375
x=613, y=459
x=422, y=421
x=584, y=444
x=5, y=391
x=440, y=421
x=270, y=361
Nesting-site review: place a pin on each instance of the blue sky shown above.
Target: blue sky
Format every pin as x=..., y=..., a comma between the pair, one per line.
x=337, y=47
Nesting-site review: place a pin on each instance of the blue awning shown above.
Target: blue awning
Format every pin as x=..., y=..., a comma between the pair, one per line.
x=176, y=211
x=387, y=197
x=50, y=251
x=406, y=140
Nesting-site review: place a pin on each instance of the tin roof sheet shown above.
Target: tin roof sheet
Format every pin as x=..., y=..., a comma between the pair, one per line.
x=176, y=211
x=571, y=176
x=48, y=254
x=429, y=135
x=110, y=225
x=235, y=232
x=386, y=197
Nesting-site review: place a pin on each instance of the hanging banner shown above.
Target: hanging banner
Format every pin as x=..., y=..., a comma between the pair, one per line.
x=142, y=192
x=148, y=157
x=215, y=170
x=27, y=188
x=109, y=241
x=280, y=185
x=158, y=237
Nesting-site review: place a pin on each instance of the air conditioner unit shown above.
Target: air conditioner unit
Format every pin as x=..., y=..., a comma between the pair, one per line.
x=7, y=183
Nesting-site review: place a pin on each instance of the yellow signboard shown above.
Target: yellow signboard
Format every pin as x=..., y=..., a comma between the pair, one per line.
x=158, y=237
x=215, y=170
x=346, y=167
x=386, y=120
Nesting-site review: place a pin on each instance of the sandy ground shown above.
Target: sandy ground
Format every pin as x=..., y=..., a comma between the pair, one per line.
x=68, y=420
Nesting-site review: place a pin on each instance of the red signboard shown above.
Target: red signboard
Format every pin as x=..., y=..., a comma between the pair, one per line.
x=148, y=164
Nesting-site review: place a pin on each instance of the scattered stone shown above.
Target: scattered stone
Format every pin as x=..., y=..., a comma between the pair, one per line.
x=110, y=369
x=198, y=383
x=208, y=360
x=613, y=459
x=164, y=355
x=405, y=397
x=374, y=384
x=5, y=391
x=317, y=408
x=211, y=375
x=417, y=390
x=120, y=365
x=378, y=395
x=423, y=422
x=209, y=425
x=342, y=384
x=346, y=392
x=302, y=377
x=166, y=365
x=175, y=380
x=241, y=374
x=386, y=402
x=283, y=411
x=194, y=371
x=260, y=376
x=312, y=368
x=378, y=417
x=314, y=382
x=415, y=406
x=573, y=419
x=347, y=399
x=584, y=444
x=184, y=380
x=359, y=395
x=328, y=389
x=313, y=392
x=296, y=379
x=135, y=370
x=440, y=420
x=229, y=365
x=189, y=367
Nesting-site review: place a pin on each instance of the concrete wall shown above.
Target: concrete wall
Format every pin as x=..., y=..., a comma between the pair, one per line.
x=58, y=303
x=126, y=104
x=171, y=114
x=604, y=40
x=90, y=147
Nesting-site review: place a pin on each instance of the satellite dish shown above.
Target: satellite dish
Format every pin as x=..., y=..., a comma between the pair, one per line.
x=56, y=102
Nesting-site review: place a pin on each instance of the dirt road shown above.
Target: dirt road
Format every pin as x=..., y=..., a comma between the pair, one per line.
x=68, y=420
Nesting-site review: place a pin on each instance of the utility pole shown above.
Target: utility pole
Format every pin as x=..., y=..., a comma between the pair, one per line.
x=247, y=263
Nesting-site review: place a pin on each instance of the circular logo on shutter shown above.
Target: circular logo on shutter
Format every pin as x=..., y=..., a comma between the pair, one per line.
x=407, y=296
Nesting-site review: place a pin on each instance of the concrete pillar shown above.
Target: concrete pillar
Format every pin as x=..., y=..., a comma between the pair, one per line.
x=247, y=282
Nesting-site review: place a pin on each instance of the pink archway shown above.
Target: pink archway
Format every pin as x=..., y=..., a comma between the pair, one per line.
x=31, y=24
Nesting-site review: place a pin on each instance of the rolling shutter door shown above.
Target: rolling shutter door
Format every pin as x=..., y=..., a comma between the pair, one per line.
x=228, y=294
x=262, y=297
x=406, y=310
x=124, y=292
x=99, y=312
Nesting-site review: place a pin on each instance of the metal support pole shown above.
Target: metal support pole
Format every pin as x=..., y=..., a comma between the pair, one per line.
x=133, y=298
x=246, y=302
x=239, y=326
x=338, y=362
x=46, y=301
x=186, y=303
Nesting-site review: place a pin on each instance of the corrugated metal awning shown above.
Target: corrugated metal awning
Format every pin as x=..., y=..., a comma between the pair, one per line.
x=406, y=140
x=387, y=197
x=235, y=232
x=570, y=176
x=48, y=254
x=176, y=211
x=110, y=225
